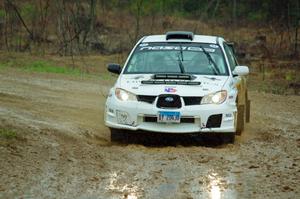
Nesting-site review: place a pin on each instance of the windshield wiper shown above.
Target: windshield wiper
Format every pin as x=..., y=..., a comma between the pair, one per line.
x=180, y=60
x=210, y=59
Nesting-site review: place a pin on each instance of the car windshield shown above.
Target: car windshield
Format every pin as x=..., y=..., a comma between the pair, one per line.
x=190, y=58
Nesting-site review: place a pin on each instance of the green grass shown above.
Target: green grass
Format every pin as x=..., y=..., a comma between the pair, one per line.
x=88, y=67
x=42, y=66
x=2, y=66
x=47, y=67
x=7, y=133
x=2, y=13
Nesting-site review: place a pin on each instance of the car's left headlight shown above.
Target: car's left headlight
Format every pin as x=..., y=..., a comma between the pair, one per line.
x=124, y=95
x=215, y=98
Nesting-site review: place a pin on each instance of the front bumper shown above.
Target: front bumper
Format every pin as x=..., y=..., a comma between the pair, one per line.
x=132, y=116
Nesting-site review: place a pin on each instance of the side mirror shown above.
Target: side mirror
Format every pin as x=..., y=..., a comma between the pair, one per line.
x=240, y=71
x=114, y=68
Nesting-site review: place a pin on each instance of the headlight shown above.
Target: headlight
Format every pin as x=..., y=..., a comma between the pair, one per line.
x=124, y=95
x=214, y=98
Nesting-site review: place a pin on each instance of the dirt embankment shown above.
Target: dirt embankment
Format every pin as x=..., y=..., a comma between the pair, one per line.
x=62, y=149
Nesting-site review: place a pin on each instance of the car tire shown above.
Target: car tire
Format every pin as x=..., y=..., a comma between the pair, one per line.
x=224, y=138
x=118, y=135
x=240, y=119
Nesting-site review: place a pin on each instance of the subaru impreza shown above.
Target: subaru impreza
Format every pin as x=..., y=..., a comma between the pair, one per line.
x=179, y=83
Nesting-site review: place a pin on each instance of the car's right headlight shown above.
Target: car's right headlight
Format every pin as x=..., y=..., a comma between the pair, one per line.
x=215, y=98
x=124, y=95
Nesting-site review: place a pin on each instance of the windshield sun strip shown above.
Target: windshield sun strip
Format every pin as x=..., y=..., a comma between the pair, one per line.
x=226, y=72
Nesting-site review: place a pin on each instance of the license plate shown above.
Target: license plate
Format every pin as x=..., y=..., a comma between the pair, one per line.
x=168, y=117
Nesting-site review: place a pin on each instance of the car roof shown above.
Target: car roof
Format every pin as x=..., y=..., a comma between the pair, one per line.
x=196, y=39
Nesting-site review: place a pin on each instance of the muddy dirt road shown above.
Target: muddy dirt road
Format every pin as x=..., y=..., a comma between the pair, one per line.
x=63, y=150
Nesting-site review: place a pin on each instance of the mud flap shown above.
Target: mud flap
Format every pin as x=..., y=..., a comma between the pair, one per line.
x=240, y=119
x=248, y=103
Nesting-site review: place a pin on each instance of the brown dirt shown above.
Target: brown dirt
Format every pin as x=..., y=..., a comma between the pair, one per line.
x=62, y=148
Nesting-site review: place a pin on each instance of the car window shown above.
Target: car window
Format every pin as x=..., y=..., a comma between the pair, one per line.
x=230, y=56
x=166, y=58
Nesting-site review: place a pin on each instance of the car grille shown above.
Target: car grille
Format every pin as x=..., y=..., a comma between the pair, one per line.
x=169, y=101
x=188, y=101
x=182, y=120
x=146, y=98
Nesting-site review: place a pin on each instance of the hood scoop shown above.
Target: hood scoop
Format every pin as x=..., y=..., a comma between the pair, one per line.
x=170, y=82
x=174, y=76
x=172, y=79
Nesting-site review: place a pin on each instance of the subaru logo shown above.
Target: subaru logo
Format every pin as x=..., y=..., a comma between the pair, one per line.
x=169, y=99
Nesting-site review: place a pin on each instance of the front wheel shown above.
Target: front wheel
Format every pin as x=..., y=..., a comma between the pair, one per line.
x=230, y=137
x=118, y=135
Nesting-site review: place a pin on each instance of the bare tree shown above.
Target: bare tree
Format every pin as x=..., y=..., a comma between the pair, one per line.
x=137, y=11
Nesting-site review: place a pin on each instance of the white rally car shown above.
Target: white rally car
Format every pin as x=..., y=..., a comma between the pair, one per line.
x=179, y=83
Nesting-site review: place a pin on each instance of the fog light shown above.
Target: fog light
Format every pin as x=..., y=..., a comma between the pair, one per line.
x=123, y=118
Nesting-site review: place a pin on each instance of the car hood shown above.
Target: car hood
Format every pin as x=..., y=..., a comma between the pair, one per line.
x=208, y=84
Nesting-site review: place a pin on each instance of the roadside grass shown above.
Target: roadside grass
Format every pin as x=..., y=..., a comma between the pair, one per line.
x=4, y=65
x=35, y=64
x=42, y=66
x=7, y=133
x=90, y=66
x=48, y=67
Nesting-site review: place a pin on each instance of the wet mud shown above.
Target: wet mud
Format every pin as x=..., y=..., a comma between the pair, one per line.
x=63, y=150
